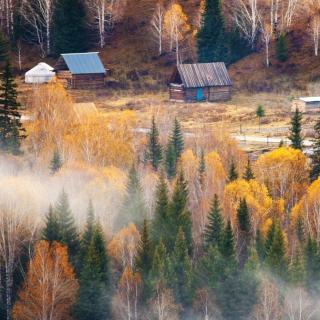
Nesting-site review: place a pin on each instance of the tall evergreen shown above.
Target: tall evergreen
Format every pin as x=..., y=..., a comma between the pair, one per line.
x=244, y=236
x=56, y=162
x=159, y=224
x=70, y=27
x=260, y=246
x=11, y=130
x=315, y=157
x=282, y=48
x=214, y=228
x=238, y=45
x=248, y=174
x=171, y=161
x=133, y=206
x=144, y=261
x=176, y=139
x=154, y=149
x=159, y=266
x=202, y=168
x=211, y=38
x=296, y=268
x=233, y=173
x=94, y=298
x=51, y=231
x=227, y=247
x=295, y=132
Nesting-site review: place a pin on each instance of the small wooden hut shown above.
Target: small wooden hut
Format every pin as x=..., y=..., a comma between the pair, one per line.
x=200, y=82
x=81, y=70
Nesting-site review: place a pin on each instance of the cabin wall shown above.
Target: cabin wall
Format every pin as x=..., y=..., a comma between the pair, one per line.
x=176, y=93
x=81, y=81
x=212, y=94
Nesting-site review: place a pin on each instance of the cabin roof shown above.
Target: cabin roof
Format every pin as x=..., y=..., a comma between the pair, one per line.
x=204, y=75
x=83, y=63
x=310, y=99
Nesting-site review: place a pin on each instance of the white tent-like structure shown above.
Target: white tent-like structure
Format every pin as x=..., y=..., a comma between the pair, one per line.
x=41, y=73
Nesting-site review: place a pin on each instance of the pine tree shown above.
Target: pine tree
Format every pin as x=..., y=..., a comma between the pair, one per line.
x=144, y=261
x=159, y=224
x=176, y=139
x=233, y=174
x=67, y=229
x=296, y=269
x=260, y=114
x=214, y=228
x=282, y=48
x=11, y=130
x=95, y=294
x=315, y=157
x=154, y=149
x=202, y=168
x=51, y=230
x=295, y=131
x=211, y=38
x=133, y=206
x=56, y=162
x=248, y=174
x=227, y=247
x=244, y=236
x=69, y=27
x=238, y=45
x=159, y=266
x=170, y=161
x=260, y=246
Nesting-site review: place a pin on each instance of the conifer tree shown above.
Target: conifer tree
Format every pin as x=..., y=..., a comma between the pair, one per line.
x=227, y=248
x=159, y=224
x=214, y=228
x=238, y=45
x=202, y=168
x=51, y=229
x=260, y=246
x=248, y=174
x=144, y=261
x=133, y=206
x=154, y=149
x=300, y=230
x=69, y=27
x=159, y=266
x=233, y=173
x=170, y=161
x=296, y=269
x=11, y=130
x=56, y=162
x=282, y=48
x=211, y=38
x=244, y=231
x=95, y=295
x=4, y=49
x=315, y=157
x=260, y=113
x=176, y=139
x=295, y=131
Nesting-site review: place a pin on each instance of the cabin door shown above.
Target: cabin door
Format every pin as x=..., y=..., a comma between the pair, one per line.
x=200, y=96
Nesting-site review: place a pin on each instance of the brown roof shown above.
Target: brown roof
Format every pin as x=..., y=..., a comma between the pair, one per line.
x=204, y=75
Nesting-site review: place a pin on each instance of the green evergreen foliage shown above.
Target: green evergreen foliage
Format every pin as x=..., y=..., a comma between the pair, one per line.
x=214, y=228
x=70, y=32
x=233, y=173
x=296, y=269
x=211, y=38
x=133, y=206
x=11, y=130
x=176, y=139
x=95, y=294
x=260, y=246
x=159, y=266
x=56, y=162
x=179, y=215
x=202, y=168
x=315, y=157
x=260, y=113
x=227, y=247
x=300, y=230
x=276, y=254
x=144, y=261
x=295, y=132
x=159, y=224
x=312, y=266
x=154, y=149
x=238, y=45
x=170, y=161
x=51, y=230
x=282, y=48
x=248, y=174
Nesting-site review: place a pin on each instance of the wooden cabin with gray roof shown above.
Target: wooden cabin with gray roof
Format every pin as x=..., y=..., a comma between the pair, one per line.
x=200, y=82
x=81, y=70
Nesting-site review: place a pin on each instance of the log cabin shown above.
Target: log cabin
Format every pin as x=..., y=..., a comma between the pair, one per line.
x=200, y=82
x=81, y=70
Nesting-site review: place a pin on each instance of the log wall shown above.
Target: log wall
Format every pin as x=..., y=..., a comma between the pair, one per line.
x=81, y=81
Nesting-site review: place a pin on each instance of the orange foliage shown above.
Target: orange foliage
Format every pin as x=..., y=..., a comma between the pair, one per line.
x=49, y=291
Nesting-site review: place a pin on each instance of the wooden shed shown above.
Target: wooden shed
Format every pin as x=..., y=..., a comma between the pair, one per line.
x=81, y=70
x=200, y=82
x=306, y=104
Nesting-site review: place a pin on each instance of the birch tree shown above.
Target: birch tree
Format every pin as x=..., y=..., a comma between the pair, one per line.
x=313, y=10
x=266, y=33
x=7, y=8
x=157, y=25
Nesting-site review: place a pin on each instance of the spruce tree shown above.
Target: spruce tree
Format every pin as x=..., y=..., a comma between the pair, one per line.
x=202, y=168
x=238, y=45
x=233, y=173
x=70, y=27
x=170, y=161
x=211, y=38
x=95, y=294
x=227, y=247
x=282, y=48
x=144, y=261
x=133, y=206
x=296, y=269
x=260, y=113
x=315, y=157
x=51, y=230
x=11, y=130
x=154, y=149
x=159, y=266
x=260, y=246
x=56, y=162
x=295, y=131
x=159, y=224
x=248, y=174
x=214, y=228
x=176, y=139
